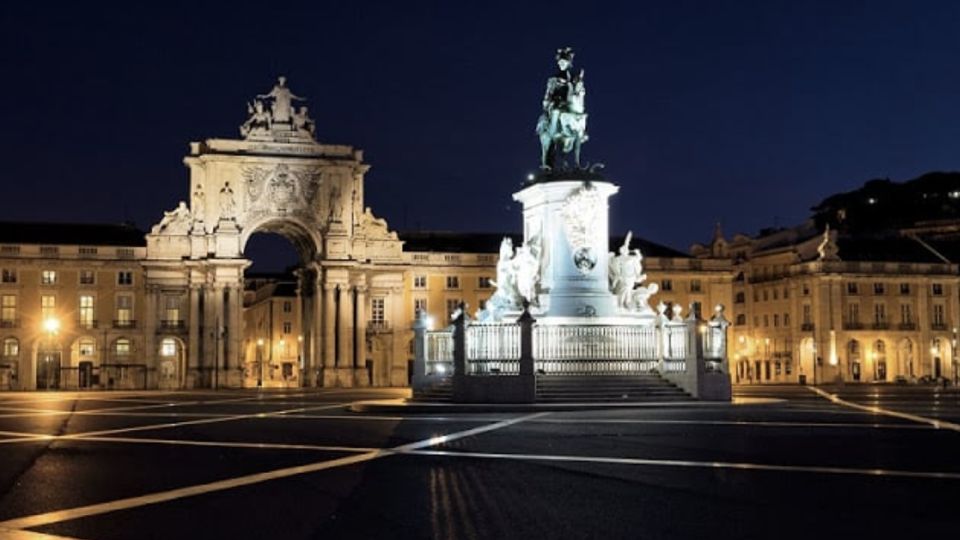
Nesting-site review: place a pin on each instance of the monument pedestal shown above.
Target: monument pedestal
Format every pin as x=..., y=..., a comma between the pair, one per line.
x=568, y=221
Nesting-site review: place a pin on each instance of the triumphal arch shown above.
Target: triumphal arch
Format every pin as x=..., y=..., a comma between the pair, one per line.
x=276, y=178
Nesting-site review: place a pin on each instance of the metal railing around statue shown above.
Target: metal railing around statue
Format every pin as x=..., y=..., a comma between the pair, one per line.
x=493, y=349
x=439, y=353
x=594, y=350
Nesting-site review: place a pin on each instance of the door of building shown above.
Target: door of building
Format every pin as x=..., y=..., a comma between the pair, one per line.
x=936, y=367
x=855, y=371
x=85, y=376
x=48, y=371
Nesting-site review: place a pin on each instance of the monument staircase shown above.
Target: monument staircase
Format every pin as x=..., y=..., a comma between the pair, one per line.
x=634, y=388
x=640, y=387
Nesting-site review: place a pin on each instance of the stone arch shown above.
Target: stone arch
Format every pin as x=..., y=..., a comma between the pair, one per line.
x=878, y=360
x=854, y=360
x=9, y=362
x=172, y=367
x=906, y=359
x=306, y=239
x=80, y=352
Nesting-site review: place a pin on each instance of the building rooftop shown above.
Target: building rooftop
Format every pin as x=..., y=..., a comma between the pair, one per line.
x=80, y=234
x=461, y=242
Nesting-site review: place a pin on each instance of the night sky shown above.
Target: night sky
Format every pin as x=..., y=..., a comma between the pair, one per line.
x=746, y=113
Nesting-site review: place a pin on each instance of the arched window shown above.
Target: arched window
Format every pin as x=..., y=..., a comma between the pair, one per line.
x=11, y=347
x=87, y=347
x=122, y=347
x=168, y=347
x=853, y=347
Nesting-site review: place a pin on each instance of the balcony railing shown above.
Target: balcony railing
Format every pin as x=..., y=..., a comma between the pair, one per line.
x=172, y=325
x=938, y=326
x=378, y=326
x=881, y=325
x=907, y=326
x=86, y=324
x=852, y=325
x=10, y=323
x=126, y=323
x=807, y=327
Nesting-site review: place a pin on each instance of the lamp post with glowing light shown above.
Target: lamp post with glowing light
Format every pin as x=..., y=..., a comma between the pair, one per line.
x=259, y=362
x=51, y=327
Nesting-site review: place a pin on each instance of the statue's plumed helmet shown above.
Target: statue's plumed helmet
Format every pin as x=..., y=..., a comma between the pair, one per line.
x=565, y=53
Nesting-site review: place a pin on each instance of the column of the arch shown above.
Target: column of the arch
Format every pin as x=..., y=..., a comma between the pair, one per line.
x=233, y=337
x=317, y=341
x=305, y=313
x=361, y=377
x=329, y=338
x=149, y=353
x=345, y=337
x=209, y=356
x=401, y=322
x=193, y=346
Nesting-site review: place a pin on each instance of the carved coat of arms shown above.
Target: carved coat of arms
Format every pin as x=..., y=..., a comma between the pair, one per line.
x=581, y=213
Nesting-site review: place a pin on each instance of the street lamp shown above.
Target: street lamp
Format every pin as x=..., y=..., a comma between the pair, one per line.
x=953, y=356
x=50, y=326
x=259, y=362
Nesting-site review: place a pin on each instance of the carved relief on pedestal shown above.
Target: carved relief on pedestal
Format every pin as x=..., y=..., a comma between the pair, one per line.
x=581, y=213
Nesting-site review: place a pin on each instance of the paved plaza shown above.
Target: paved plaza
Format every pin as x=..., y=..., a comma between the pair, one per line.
x=856, y=462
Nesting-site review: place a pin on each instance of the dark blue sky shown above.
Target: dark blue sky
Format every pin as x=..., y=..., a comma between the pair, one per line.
x=741, y=112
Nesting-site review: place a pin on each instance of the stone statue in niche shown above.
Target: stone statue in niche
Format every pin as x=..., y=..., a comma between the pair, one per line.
x=199, y=204
x=228, y=205
x=176, y=221
x=336, y=205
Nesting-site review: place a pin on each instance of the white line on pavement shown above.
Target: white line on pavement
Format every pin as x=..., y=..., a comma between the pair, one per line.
x=58, y=516
x=691, y=464
x=939, y=424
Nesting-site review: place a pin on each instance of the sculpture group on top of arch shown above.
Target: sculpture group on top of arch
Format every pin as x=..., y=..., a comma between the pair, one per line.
x=278, y=117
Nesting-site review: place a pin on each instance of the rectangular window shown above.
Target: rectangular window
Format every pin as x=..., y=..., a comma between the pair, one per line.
x=786, y=319
x=87, y=347
x=287, y=306
x=125, y=253
x=87, y=251
x=9, y=275
x=419, y=304
x=666, y=285
x=287, y=327
x=852, y=288
x=905, y=316
x=937, y=289
x=49, y=251
x=806, y=289
x=766, y=320
x=419, y=282
x=86, y=312
x=453, y=304
x=776, y=294
x=171, y=311
x=807, y=317
x=904, y=289
x=786, y=293
x=879, y=313
x=776, y=320
x=766, y=295
x=8, y=310
x=48, y=277
x=453, y=282
x=9, y=250
x=853, y=313
x=88, y=277
x=483, y=282
x=938, y=315
x=48, y=304
x=377, y=311
x=125, y=277
x=879, y=288
x=124, y=310
x=122, y=347
x=695, y=285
